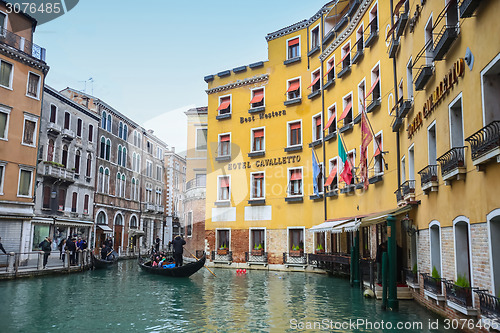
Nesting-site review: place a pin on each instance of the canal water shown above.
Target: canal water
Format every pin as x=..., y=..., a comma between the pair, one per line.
x=126, y=299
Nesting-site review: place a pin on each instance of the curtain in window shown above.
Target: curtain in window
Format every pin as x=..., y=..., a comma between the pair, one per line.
x=33, y=85
x=3, y=124
x=5, y=70
x=25, y=182
x=29, y=130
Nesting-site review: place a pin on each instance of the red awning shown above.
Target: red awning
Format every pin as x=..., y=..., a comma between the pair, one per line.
x=293, y=42
x=224, y=104
x=373, y=87
x=377, y=152
x=225, y=138
x=258, y=176
x=330, y=121
x=332, y=175
x=295, y=126
x=345, y=56
x=258, y=96
x=296, y=175
x=314, y=81
x=295, y=85
x=258, y=133
x=329, y=69
x=346, y=111
x=224, y=182
x=318, y=121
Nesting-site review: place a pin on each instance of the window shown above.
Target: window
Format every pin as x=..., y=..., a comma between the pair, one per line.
x=100, y=179
x=359, y=39
x=89, y=165
x=315, y=80
x=293, y=90
x=375, y=88
x=332, y=119
x=257, y=98
x=125, y=132
x=3, y=23
x=223, y=239
x=158, y=196
x=373, y=19
x=106, y=181
x=258, y=139
x=4, y=122
x=293, y=46
x=53, y=113
x=456, y=123
x=224, y=105
x=64, y=157
x=103, y=119
x=315, y=37
x=257, y=239
x=201, y=139
x=224, y=188
x=347, y=113
x=257, y=190
x=330, y=69
x=119, y=155
x=124, y=157
x=120, y=130
x=135, y=186
x=149, y=147
x=149, y=193
x=159, y=153
x=317, y=129
x=400, y=92
x=86, y=204
x=224, y=145
x=294, y=133
x=149, y=169
x=108, y=149
x=33, y=89
x=409, y=80
x=79, y=125
x=431, y=141
x=189, y=226
x=119, y=219
x=403, y=169
x=490, y=81
x=74, y=200
x=333, y=179
x=296, y=239
x=101, y=218
x=66, y=120
x=61, y=200
x=435, y=245
x=109, y=123
x=133, y=222
x=159, y=173
x=118, y=185
x=295, y=182
x=77, y=162
x=6, y=73
x=361, y=96
x=378, y=155
x=411, y=163
x=29, y=136
x=429, y=43
x=462, y=248
x=346, y=56
x=47, y=192
x=319, y=179
x=452, y=13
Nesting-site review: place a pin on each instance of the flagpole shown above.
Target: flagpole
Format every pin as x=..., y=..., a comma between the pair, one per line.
x=374, y=137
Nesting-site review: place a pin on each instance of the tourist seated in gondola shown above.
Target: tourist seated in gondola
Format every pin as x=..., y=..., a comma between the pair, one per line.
x=105, y=251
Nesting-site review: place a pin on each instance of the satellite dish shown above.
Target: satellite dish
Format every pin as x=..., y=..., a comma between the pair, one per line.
x=469, y=58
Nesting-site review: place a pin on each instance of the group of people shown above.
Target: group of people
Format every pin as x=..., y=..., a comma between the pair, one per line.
x=72, y=244
x=107, y=249
x=159, y=259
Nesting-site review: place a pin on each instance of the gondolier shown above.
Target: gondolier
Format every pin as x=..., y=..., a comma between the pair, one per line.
x=178, y=244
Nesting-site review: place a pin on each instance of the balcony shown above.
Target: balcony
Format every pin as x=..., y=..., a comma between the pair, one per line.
x=468, y=7
x=404, y=107
x=357, y=57
x=21, y=44
x=341, y=23
x=429, y=178
x=371, y=38
x=444, y=39
x=393, y=48
x=256, y=257
x=295, y=258
x=411, y=278
x=68, y=134
x=375, y=104
x=423, y=76
x=344, y=71
x=489, y=305
x=59, y=172
x=485, y=144
x=159, y=209
x=197, y=182
x=396, y=124
x=149, y=207
x=433, y=287
x=399, y=197
x=459, y=298
x=453, y=164
x=401, y=24
x=409, y=190
x=53, y=129
x=222, y=256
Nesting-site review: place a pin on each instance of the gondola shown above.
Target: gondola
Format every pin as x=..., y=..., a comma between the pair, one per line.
x=99, y=263
x=183, y=271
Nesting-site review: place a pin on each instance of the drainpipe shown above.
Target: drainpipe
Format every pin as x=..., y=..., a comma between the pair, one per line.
x=396, y=98
x=323, y=120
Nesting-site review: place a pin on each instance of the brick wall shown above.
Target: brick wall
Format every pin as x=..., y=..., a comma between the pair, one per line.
x=447, y=254
x=423, y=249
x=481, y=271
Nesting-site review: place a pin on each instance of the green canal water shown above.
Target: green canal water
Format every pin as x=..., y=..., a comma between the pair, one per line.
x=126, y=299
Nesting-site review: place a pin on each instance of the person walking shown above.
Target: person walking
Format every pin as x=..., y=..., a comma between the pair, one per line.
x=1, y=246
x=62, y=249
x=178, y=244
x=46, y=248
x=71, y=247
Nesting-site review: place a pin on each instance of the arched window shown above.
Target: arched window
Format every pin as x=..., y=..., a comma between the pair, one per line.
x=134, y=162
x=106, y=181
x=50, y=151
x=119, y=219
x=133, y=222
x=101, y=218
x=64, y=160
x=117, y=185
x=132, y=194
x=125, y=132
x=100, y=180
x=119, y=155
x=120, y=130
x=102, y=153
x=89, y=165
x=138, y=163
x=77, y=162
x=108, y=149
x=124, y=158
x=109, y=123
x=103, y=120
x=123, y=184
x=91, y=133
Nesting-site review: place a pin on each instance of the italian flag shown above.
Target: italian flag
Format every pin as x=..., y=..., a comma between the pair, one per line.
x=346, y=174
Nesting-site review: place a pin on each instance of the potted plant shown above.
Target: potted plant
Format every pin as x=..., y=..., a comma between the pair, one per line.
x=320, y=249
x=222, y=250
x=296, y=251
x=257, y=250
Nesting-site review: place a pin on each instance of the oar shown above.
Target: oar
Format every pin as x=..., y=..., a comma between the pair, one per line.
x=199, y=260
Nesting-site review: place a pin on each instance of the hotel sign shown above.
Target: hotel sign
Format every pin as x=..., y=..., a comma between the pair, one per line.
x=446, y=84
x=268, y=115
x=265, y=162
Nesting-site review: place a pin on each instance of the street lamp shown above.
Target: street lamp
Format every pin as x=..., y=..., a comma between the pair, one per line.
x=408, y=226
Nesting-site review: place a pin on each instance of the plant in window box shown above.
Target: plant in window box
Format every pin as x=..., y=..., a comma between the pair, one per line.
x=320, y=249
x=415, y=272
x=257, y=250
x=296, y=251
x=222, y=250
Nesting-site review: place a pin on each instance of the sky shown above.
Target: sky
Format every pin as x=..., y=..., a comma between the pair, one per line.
x=148, y=58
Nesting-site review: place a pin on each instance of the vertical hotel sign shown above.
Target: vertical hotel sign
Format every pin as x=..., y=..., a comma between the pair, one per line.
x=446, y=84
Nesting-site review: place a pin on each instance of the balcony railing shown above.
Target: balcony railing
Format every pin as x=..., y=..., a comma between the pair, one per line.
x=53, y=128
x=21, y=44
x=458, y=295
x=408, y=187
x=197, y=182
x=428, y=174
x=399, y=195
x=467, y=7
x=411, y=277
x=292, y=258
x=444, y=39
x=68, y=134
x=452, y=159
x=225, y=256
x=485, y=140
x=431, y=284
x=58, y=172
x=490, y=305
x=149, y=206
x=423, y=76
x=256, y=257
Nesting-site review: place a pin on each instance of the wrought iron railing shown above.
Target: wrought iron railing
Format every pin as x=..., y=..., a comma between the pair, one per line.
x=457, y=294
x=21, y=44
x=411, y=276
x=484, y=140
x=428, y=174
x=432, y=284
x=452, y=159
x=489, y=304
x=408, y=187
x=257, y=257
x=444, y=38
x=218, y=256
x=399, y=194
x=290, y=258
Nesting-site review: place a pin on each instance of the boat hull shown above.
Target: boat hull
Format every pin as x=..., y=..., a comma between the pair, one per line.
x=183, y=271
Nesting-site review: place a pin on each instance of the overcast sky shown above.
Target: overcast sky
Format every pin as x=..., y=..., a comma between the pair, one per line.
x=148, y=58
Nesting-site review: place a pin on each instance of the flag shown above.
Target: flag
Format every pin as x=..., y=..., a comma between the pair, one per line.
x=315, y=173
x=366, y=138
x=346, y=174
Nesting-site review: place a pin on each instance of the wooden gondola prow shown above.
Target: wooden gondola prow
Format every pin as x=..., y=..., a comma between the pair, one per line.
x=199, y=260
